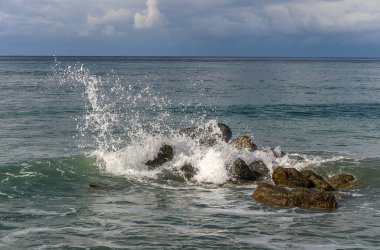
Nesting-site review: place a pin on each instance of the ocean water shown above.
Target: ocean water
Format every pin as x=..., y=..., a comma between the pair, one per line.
x=67, y=122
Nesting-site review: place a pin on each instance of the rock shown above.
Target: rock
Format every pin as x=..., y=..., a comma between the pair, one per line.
x=290, y=177
x=317, y=181
x=210, y=134
x=297, y=197
x=342, y=181
x=188, y=171
x=93, y=185
x=241, y=171
x=277, y=152
x=244, y=142
x=259, y=169
x=226, y=132
x=164, y=155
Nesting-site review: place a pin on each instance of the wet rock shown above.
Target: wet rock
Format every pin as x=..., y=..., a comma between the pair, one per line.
x=93, y=185
x=209, y=135
x=342, y=181
x=226, y=132
x=241, y=171
x=260, y=170
x=244, y=142
x=290, y=177
x=277, y=152
x=317, y=181
x=188, y=171
x=164, y=155
x=297, y=197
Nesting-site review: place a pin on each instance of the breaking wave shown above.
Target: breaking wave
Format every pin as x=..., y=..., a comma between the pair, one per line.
x=125, y=124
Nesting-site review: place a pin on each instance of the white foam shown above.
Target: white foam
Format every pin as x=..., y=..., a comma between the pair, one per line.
x=211, y=168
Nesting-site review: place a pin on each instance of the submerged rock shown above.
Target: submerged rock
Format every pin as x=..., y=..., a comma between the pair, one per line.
x=297, y=197
x=290, y=177
x=244, y=142
x=317, y=181
x=241, y=171
x=93, y=185
x=259, y=169
x=209, y=135
x=342, y=181
x=164, y=155
x=188, y=171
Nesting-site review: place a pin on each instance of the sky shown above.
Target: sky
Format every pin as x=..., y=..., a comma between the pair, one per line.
x=325, y=28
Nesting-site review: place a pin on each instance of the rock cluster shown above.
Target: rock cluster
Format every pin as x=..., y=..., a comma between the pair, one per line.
x=208, y=136
x=291, y=188
x=304, y=189
x=241, y=171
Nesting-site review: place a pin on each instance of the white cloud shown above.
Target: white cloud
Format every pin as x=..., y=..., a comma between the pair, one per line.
x=72, y=17
x=109, y=16
x=278, y=16
x=150, y=17
x=323, y=16
x=189, y=17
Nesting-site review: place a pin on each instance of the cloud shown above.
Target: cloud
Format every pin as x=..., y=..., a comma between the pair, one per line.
x=323, y=16
x=109, y=16
x=209, y=17
x=76, y=18
x=275, y=16
x=106, y=21
x=150, y=17
x=200, y=26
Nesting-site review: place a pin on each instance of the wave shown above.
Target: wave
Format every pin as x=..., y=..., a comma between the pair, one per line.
x=63, y=176
x=124, y=126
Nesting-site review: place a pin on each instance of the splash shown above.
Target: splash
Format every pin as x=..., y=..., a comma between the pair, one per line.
x=124, y=126
x=115, y=113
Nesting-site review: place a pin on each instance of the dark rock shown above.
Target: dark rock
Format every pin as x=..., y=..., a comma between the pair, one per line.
x=93, y=185
x=317, y=181
x=297, y=197
x=290, y=177
x=188, y=171
x=342, y=181
x=244, y=142
x=241, y=171
x=226, y=132
x=259, y=169
x=164, y=155
x=209, y=135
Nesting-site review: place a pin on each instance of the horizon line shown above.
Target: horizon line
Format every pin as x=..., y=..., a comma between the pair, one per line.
x=200, y=56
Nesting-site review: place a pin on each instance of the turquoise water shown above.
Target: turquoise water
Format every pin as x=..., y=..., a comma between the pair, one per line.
x=68, y=122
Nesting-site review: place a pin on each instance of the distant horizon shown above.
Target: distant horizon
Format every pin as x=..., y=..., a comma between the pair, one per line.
x=200, y=56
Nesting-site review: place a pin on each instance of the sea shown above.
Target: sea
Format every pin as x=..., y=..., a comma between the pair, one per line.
x=76, y=132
